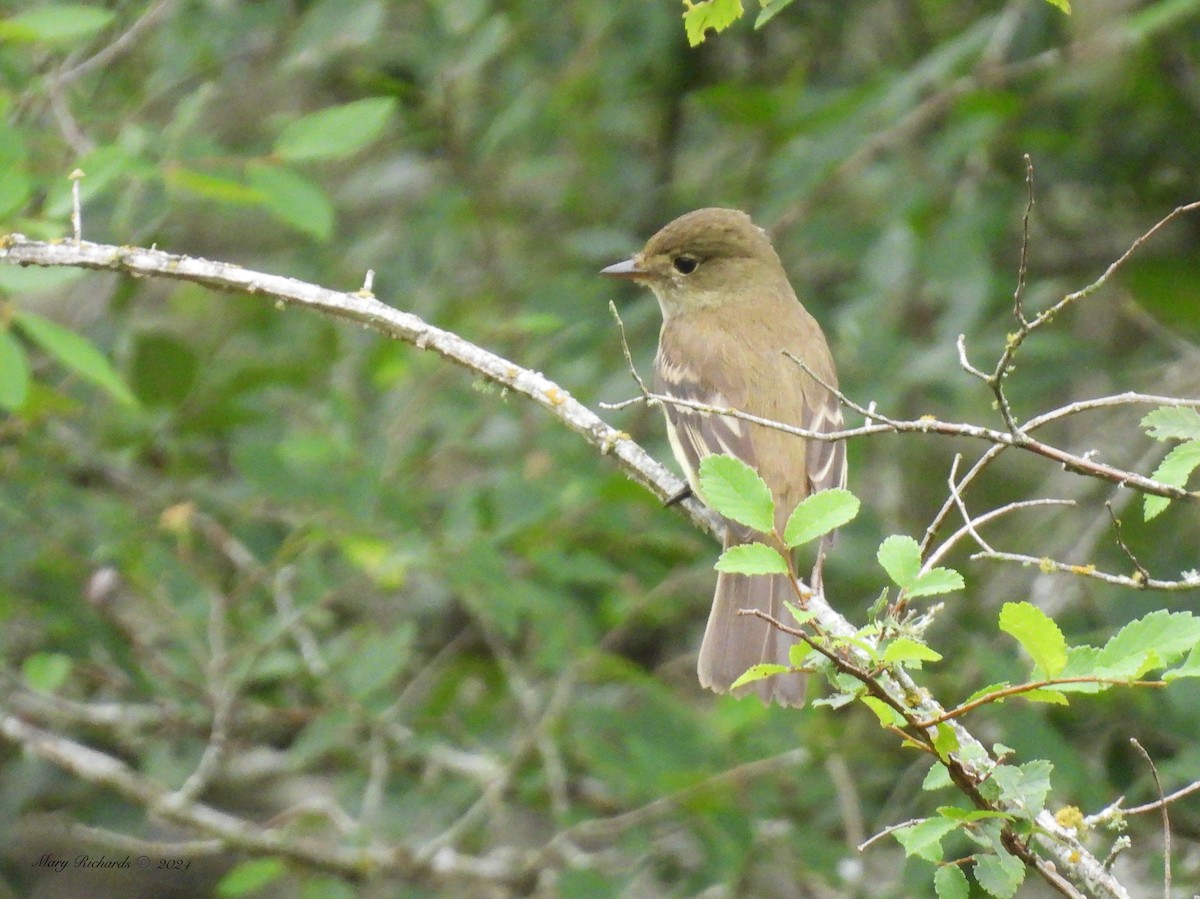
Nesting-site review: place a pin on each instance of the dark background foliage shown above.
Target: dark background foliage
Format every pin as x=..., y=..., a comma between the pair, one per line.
x=503, y=623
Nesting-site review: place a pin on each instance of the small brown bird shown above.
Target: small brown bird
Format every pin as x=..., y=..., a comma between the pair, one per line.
x=729, y=314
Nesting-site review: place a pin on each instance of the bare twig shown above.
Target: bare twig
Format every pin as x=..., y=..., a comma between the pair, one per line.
x=1142, y=574
x=1018, y=689
x=1166, y=820
x=1188, y=582
x=612, y=307
x=1023, y=267
x=631, y=457
x=969, y=528
x=123, y=43
x=1164, y=800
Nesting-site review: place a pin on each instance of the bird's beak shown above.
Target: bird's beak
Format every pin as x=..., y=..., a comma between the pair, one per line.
x=630, y=268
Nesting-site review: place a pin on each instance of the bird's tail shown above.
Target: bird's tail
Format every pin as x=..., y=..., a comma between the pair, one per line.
x=733, y=642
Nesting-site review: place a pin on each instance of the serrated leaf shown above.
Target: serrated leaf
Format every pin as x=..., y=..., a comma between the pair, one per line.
x=736, y=491
x=1172, y=423
x=984, y=691
x=802, y=616
x=964, y=815
x=935, y=581
x=702, y=15
x=1053, y=697
x=1174, y=470
x=335, y=132
x=1153, y=641
x=903, y=649
x=999, y=875
x=900, y=557
x=924, y=840
x=888, y=716
x=1037, y=634
x=1024, y=786
x=945, y=740
x=76, y=353
x=759, y=672
x=1061, y=5
x=14, y=372
x=819, y=514
x=936, y=778
x=801, y=655
x=1190, y=668
x=751, y=558
x=1081, y=662
x=949, y=882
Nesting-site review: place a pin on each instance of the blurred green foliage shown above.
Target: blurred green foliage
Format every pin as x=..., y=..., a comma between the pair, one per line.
x=502, y=626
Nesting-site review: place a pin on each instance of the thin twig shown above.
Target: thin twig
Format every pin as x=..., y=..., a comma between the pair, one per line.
x=1023, y=267
x=1018, y=689
x=1164, y=800
x=1191, y=582
x=612, y=307
x=1166, y=820
x=1142, y=574
x=937, y=555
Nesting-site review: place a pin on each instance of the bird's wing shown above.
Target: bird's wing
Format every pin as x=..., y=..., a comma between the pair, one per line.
x=826, y=460
x=696, y=434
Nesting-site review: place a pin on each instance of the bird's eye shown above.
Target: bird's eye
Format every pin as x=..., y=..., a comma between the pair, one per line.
x=685, y=265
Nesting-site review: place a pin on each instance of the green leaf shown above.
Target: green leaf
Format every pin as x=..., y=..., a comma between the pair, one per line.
x=751, y=558
x=888, y=716
x=56, y=24
x=802, y=616
x=1153, y=641
x=759, y=672
x=936, y=778
x=211, y=187
x=984, y=691
x=14, y=372
x=949, y=882
x=770, y=9
x=936, y=580
x=1190, y=668
x=1000, y=875
x=76, y=353
x=819, y=514
x=924, y=840
x=954, y=813
x=1024, y=786
x=900, y=557
x=1175, y=469
x=251, y=876
x=1172, y=423
x=1052, y=697
x=294, y=200
x=1037, y=634
x=1063, y=5
x=945, y=740
x=734, y=490
x=46, y=671
x=700, y=16
x=902, y=649
x=336, y=132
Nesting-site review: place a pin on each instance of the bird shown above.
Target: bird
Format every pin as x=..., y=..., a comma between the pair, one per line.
x=729, y=316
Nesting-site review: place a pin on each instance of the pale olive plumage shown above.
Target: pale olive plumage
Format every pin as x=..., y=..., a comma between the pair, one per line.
x=729, y=314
